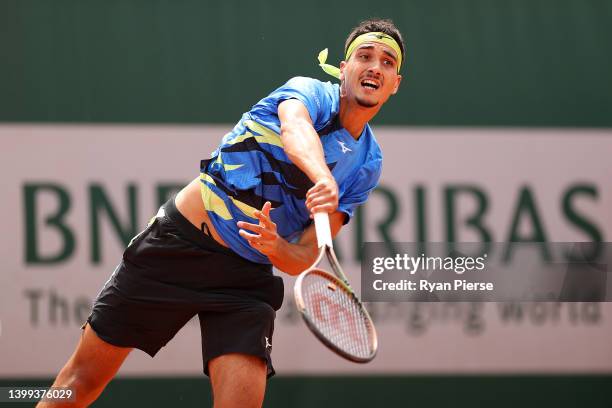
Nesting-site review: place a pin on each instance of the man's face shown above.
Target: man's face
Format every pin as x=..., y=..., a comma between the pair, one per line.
x=370, y=75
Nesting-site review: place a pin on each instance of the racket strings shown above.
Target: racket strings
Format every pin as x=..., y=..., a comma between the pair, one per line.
x=338, y=315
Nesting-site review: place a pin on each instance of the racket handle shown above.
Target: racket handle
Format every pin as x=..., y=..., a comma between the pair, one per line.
x=321, y=220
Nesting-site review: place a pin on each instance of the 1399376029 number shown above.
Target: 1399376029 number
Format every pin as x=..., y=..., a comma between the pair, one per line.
x=33, y=394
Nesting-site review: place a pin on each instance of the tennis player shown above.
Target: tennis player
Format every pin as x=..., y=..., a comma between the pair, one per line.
x=306, y=147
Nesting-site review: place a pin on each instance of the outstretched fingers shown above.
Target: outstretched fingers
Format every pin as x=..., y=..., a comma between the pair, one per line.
x=262, y=236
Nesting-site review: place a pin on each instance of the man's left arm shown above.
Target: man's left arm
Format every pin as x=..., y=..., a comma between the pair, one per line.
x=291, y=258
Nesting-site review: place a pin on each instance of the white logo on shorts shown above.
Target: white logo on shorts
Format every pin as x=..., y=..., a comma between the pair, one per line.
x=268, y=344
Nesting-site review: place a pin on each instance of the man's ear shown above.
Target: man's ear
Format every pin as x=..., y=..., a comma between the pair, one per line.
x=397, y=84
x=342, y=65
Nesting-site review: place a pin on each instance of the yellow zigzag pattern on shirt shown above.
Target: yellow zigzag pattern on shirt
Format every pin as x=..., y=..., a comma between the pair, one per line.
x=266, y=135
x=212, y=202
x=229, y=167
x=245, y=208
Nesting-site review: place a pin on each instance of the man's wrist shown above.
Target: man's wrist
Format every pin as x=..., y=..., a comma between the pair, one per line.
x=323, y=176
x=279, y=248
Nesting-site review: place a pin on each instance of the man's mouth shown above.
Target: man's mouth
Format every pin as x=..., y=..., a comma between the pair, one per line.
x=370, y=84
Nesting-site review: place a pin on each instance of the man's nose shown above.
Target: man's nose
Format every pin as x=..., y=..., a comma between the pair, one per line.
x=375, y=68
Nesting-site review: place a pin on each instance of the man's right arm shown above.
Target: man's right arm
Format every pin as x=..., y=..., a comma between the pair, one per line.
x=303, y=147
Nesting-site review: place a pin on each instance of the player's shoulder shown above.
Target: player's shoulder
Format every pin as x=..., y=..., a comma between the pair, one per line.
x=305, y=80
x=310, y=83
x=322, y=99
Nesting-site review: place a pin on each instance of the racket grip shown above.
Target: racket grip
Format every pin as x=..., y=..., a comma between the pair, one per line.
x=321, y=220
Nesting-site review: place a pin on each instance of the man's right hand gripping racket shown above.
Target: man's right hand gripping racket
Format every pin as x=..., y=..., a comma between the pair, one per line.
x=330, y=308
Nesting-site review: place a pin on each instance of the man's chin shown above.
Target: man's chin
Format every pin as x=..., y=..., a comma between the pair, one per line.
x=366, y=103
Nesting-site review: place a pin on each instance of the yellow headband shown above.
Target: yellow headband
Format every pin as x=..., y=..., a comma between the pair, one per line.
x=376, y=37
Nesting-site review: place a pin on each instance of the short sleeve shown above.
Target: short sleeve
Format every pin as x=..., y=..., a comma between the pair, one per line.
x=358, y=191
x=311, y=93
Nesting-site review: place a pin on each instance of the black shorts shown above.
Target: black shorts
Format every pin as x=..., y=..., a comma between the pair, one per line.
x=172, y=271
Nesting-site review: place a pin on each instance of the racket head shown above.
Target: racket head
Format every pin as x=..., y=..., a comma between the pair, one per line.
x=335, y=315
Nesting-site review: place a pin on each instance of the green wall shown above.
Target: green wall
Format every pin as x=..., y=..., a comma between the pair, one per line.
x=368, y=392
x=470, y=62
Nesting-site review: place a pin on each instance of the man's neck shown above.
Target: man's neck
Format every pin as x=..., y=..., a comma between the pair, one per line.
x=354, y=117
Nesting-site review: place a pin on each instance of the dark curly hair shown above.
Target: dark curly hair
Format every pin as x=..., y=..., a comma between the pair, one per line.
x=376, y=25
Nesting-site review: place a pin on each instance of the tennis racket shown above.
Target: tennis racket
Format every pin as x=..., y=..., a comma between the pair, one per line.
x=329, y=306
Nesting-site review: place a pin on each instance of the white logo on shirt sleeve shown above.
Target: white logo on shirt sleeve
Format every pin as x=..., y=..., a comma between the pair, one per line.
x=343, y=146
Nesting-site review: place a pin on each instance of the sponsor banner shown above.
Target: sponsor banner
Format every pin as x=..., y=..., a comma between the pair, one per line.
x=73, y=196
